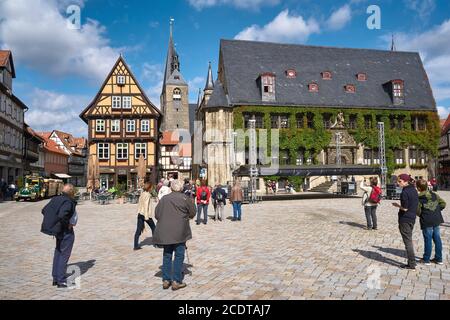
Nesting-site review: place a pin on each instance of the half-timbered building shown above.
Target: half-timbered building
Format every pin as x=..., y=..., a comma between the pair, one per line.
x=123, y=124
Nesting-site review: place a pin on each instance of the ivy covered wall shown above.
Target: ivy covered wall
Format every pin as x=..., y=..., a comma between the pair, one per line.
x=316, y=139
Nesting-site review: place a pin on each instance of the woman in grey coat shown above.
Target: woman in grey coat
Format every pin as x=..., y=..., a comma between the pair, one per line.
x=172, y=231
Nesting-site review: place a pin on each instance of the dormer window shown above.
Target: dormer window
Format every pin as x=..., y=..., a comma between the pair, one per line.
x=267, y=86
x=121, y=80
x=291, y=73
x=177, y=94
x=350, y=88
x=313, y=87
x=398, y=93
x=326, y=75
x=361, y=76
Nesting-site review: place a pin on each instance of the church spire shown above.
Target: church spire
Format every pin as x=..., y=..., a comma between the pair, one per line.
x=172, y=73
x=209, y=80
x=199, y=99
x=393, y=48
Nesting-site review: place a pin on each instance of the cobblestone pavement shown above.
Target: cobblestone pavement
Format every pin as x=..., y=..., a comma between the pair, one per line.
x=302, y=249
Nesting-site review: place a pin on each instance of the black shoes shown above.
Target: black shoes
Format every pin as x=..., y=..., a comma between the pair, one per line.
x=55, y=283
x=437, y=262
x=408, y=267
x=137, y=248
x=62, y=286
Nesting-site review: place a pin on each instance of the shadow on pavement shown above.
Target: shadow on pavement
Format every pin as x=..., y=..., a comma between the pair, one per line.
x=84, y=265
x=353, y=224
x=185, y=271
x=396, y=252
x=377, y=257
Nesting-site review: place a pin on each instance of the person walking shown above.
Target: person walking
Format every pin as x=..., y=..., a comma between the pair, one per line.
x=173, y=213
x=371, y=199
x=219, y=196
x=409, y=202
x=430, y=213
x=3, y=189
x=146, y=209
x=203, y=197
x=236, y=198
x=60, y=218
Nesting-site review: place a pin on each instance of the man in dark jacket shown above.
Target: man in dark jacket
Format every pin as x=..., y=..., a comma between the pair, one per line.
x=63, y=207
x=430, y=213
x=219, y=197
x=172, y=231
x=409, y=202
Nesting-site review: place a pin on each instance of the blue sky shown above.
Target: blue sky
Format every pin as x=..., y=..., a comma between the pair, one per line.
x=59, y=70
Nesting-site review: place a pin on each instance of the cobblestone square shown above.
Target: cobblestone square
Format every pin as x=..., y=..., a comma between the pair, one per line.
x=296, y=249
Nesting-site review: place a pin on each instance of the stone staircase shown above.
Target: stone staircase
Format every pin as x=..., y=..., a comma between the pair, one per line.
x=323, y=187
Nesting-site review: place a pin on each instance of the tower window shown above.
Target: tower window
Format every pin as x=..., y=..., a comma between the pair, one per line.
x=177, y=94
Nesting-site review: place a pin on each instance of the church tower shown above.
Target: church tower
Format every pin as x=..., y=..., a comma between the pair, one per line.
x=175, y=92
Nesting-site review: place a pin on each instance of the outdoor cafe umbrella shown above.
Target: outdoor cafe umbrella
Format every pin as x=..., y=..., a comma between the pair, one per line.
x=97, y=173
x=141, y=171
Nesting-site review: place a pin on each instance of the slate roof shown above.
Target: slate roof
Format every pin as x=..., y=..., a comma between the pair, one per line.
x=244, y=61
x=219, y=97
x=192, y=109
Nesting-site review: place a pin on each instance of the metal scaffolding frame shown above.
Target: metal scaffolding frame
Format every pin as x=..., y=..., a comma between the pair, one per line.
x=382, y=151
x=252, y=159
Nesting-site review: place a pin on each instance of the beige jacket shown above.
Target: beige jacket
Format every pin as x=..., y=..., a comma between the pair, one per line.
x=147, y=205
x=236, y=194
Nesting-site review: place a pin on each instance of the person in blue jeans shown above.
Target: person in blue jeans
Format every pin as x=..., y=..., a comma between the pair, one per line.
x=203, y=195
x=236, y=198
x=430, y=213
x=173, y=213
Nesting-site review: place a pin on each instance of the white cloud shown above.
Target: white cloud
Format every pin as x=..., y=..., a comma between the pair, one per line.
x=434, y=48
x=37, y=33
x=284, y=28
x=443, y=112
x=52, y=110
x=152, y=77
x=340, y=18
x=423, y=7
x=241, y=4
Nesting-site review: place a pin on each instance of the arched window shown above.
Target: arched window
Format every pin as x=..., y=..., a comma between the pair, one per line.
x=177, y=94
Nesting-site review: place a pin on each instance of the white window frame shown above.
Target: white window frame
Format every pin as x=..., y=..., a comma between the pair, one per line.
x=145, y=124
x=115, y=124
x=129, y=123
x=140, y=146
x=98, y=124
x=122, y=151
x=127, y=102
x=121, y=79
x=116, y=102
x=103, y=147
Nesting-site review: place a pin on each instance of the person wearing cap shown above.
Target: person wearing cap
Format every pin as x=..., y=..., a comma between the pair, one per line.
x=409, y=203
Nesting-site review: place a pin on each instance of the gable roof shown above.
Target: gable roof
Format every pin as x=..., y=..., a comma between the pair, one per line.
x=50, y=145
x=244, y=61
x=445, y=125
x=73, y=144
x=218, y=97
x=5, y=56
x=120, y=59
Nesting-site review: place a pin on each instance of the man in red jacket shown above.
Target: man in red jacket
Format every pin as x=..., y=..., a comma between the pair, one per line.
x=203, y=196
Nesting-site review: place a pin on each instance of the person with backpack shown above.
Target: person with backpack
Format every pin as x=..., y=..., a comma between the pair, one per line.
x=146, y=208
x=203, y=196
x=409, y=203
x=371, y=199
x=430, y=213
x=219, y=196
x=59, y=221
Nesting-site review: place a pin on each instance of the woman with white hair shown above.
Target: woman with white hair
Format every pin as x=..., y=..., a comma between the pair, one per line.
x=165, y=189
x=172, y=231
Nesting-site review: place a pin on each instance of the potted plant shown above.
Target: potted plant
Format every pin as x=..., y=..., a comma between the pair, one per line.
x=120, y=193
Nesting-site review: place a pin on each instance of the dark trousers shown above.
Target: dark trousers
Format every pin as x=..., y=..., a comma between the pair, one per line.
x=371, y=216
x=62, y=254
x=203, y=207
x=140, y=227
x=175, y=273
x=406, y=230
